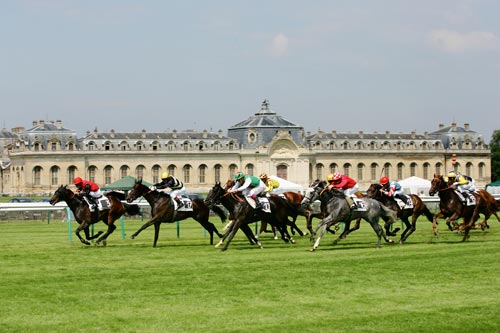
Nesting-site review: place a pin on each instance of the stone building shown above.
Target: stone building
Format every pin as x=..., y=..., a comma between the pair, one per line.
x=47, y=155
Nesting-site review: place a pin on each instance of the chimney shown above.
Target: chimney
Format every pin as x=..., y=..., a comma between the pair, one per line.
x=441, y=126
x=112, y=134
x=334, y=134
x=361, y=134
x=466, y=126
x=58, y=124
x=413, y=134
x=143, y=134
x=42, y=124
x=387, y=134
x=453, y=126
x=205, y=134
x=35, y=123
x=174, y=134
x=220, y=134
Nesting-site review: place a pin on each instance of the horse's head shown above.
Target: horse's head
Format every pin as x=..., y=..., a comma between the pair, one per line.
x=215, y=194
x=313, y=192
x=61, y=194
x=137, y=191
x=437, y=183
x=373, y=191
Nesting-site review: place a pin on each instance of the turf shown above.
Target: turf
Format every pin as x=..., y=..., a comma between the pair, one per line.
x=430, y=284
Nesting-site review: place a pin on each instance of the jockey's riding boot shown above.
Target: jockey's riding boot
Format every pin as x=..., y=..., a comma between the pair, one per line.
x=403, y=198
x=180, y=204
x=259, y=204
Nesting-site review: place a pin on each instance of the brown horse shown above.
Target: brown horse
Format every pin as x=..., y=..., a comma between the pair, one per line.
x=295, y=199
x=85, y=217
x=418, y=209
x=163, y=210
x=243, y=214
x=452, y=207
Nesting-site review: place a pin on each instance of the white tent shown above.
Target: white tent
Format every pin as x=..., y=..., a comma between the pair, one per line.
x=415, y=185
x=287, y=186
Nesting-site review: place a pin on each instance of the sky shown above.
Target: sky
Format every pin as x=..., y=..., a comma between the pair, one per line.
x=372, y=66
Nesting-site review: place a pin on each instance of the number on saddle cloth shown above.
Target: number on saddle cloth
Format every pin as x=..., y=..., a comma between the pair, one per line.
x=265, y=205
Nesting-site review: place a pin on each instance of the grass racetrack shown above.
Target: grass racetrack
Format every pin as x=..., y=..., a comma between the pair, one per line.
x=429, y=284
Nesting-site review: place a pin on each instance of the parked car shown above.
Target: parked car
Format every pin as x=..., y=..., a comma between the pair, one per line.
x=23, y=200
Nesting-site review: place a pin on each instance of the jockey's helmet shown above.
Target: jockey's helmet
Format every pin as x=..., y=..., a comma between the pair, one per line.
x=329, y=177
x=452, y=175
x=336, y=176
x=164, y=175
x=384, y=180
x=77, y=180
x=239, y=175
x=263, y=175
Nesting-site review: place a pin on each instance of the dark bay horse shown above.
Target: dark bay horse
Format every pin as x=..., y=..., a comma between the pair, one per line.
x=452, y=208
x=243, y=213
x=85, y=217
x=295, y=199
x=418, y=209
x=163, y=210
x=335, y=208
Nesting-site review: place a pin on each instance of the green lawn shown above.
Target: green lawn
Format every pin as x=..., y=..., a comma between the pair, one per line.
x=430, y=284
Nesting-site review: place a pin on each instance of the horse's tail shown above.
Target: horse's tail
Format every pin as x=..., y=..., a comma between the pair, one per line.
x=132, y=209
x=428, y=214
x=220, y=212
x=388, y=212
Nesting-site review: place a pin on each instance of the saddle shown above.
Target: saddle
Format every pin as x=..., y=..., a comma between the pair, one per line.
x=358, y=205
x=469, y=200
x=402, y=204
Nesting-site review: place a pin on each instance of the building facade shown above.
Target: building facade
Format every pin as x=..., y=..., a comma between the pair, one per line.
x=38, y=160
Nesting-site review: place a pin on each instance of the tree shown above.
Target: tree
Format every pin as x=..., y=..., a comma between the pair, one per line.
x=495, y=156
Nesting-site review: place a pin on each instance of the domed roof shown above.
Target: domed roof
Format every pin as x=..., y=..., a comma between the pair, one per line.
x=264, y=118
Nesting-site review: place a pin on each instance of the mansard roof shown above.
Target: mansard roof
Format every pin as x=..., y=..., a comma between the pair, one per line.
x=367, y=136
x=265, y=118
x=174, y=135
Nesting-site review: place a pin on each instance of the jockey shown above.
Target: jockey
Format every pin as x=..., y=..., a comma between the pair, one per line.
x=392, y=189
x=249, y=186
x=463, y=183
x=176, y=187
x=344, y=183
x=88, y=189
x=272, y=185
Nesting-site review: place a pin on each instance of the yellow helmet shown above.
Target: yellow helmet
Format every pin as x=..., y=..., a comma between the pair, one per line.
x=263, y=175
x=164, y=175
x=452, y=175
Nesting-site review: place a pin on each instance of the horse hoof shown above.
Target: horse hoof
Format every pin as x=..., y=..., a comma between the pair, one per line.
x=391, y=241
x=292, y=241
x=312, y=249
x=132, y=237
x=401, y=242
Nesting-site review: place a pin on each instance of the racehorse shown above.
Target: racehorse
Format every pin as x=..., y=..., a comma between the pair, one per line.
x=163, y=210
x=452, y=207
x=418, y=209
x=243, y=213
x=85, y=217
x=295, y=199
x=335, y=208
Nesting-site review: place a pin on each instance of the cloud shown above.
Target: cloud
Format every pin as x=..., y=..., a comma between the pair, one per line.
x=279, y=45
x=456, y=42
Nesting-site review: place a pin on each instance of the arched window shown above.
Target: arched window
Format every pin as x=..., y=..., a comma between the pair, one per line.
x=155, y=173
x=282, y=171
x=139, y=171
x=37, y=172
x=319, y=171
x=439, y=168
x=468, y=169
x=401, y=167
x=413, y=169
x=232, y=170
x=374, y=172
x=202, y=170
x=481, y=169
x=171, y=169
x=108, y=169
x=361, y=168
x=333, y=167
x=217, y=171
x=249, y=169
x=124, y=171
x=387, y=169
x=71, y=174
x=347, y=169
x=186, y=172
x=426, y=167
x=92, y=173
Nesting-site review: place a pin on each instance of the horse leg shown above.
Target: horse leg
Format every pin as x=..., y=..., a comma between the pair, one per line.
x=87, y=234
x=410, y=228
x=323, y=227
x=250, y=236
x=434, y=222
x=234, y=229
x=378, y=230
x=84, y=225
x=111, y=228
x=144, y=226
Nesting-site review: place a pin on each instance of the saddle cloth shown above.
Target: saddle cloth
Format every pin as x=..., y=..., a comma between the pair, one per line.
x=263, y=201
x=102, y=203
x=402, y=205
x=360, y=205
x=188, y=205
x=470, y=201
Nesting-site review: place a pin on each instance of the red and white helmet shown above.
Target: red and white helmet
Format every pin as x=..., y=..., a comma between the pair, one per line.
x=77, y=180
x=336, y=176
x=384, y=180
